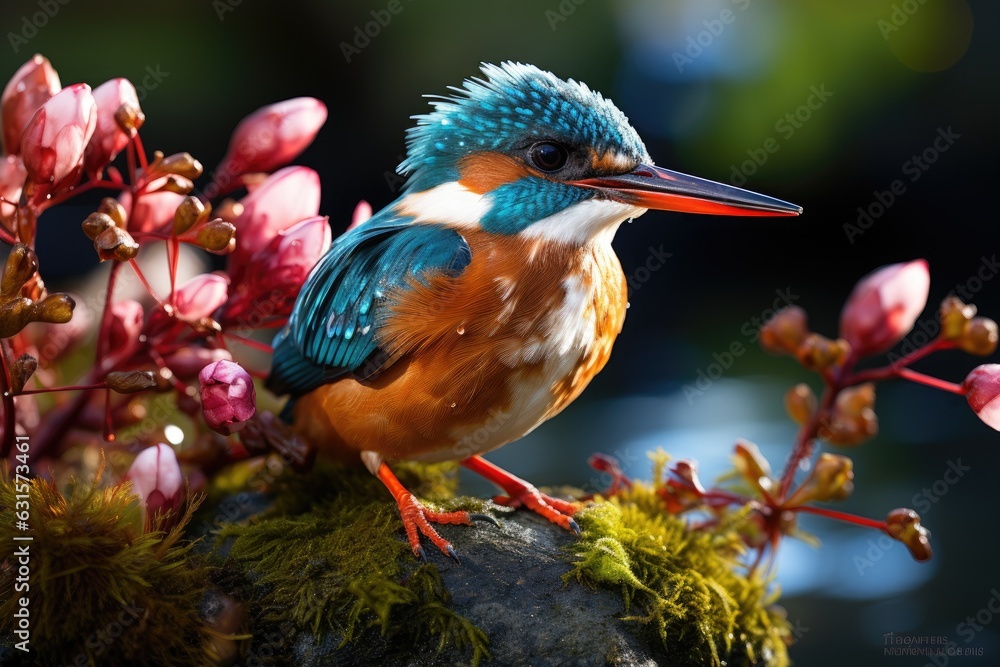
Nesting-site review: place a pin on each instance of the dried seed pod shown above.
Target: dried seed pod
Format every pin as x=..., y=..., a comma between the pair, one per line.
x=181, y=164
x=15, y=315
x=22, y=263
x=190, y=212
x=831, y=479
x=853, y=401
x=177, y=184
x=114, y=210
x=818, y=353
x=97, y=223
x=129, y=118
x=752, y=465
x=800, y=402
x=980, y=336
x=783, y=333
x=904, y=525
x=130, y=382
x=217, y=236
x=21, y=371
x=115, y=243
x=954, y=315
x=55, y=308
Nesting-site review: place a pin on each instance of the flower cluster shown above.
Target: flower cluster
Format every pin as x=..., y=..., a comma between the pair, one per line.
x=62, y=141
x=881, y=310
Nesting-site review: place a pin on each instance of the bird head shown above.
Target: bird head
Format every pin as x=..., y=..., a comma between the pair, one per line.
x=524, y=152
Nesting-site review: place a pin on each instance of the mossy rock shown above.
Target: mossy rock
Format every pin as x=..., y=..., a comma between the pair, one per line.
x=329, y=580
x=103, y=590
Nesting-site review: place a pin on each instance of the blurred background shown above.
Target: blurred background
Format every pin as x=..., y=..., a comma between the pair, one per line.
x=825, y=104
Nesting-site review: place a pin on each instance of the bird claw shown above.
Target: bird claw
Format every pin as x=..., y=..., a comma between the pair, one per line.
x=485, y=518
x=556, y=510
x=454, y=556
x=417, y=521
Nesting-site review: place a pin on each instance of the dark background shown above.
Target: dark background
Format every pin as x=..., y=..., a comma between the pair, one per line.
x=214, y=62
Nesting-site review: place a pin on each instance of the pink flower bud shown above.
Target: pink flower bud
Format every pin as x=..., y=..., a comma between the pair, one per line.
x=156, y=478
x=201, y=296
x=280, y=269
x=884, y=306
x=269, y=138
x=228, y=397
x=109, y=137
x=982, y=390
x=30, y=87
x=126, y=324
x=187, y=362
x=55, y=138
x=153, y=211
x=12, y=176
x=362, y=212
x=286, y=197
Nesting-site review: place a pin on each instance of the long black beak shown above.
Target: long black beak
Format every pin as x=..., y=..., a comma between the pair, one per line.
x=665, y=190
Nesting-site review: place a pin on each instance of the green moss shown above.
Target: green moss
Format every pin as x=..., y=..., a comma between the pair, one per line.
x=328, y=559
x=102, y=591
x=681, y=584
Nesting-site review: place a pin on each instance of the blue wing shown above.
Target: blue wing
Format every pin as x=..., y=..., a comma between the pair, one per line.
x=334, y=325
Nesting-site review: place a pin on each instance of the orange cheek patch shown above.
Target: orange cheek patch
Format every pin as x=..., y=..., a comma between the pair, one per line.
x=485, y=172
x=609, y=163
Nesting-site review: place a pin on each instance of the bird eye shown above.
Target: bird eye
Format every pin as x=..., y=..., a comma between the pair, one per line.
x=548, y=156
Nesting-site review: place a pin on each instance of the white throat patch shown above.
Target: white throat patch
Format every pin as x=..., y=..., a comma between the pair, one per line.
x=582, y=222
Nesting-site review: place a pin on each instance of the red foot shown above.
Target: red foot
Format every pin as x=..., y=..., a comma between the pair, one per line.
x=521, y=493
x=417, y=519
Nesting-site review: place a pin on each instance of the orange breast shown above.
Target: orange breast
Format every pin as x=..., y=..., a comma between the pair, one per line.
x=482, y=359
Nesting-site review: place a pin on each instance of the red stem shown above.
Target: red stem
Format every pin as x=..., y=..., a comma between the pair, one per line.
x=78, y=387
x=173, y=257
x=142, y=279
x=837, y=382
x=840, y=516
x=140, y=151
x=8, y=405
x=68, y=194
x=806, y=435
x=249, y=342
x=103, y=334
x=892, y=370
x=937, y=383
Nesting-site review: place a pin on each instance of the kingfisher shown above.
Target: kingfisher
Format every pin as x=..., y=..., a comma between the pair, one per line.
x=484, y=299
